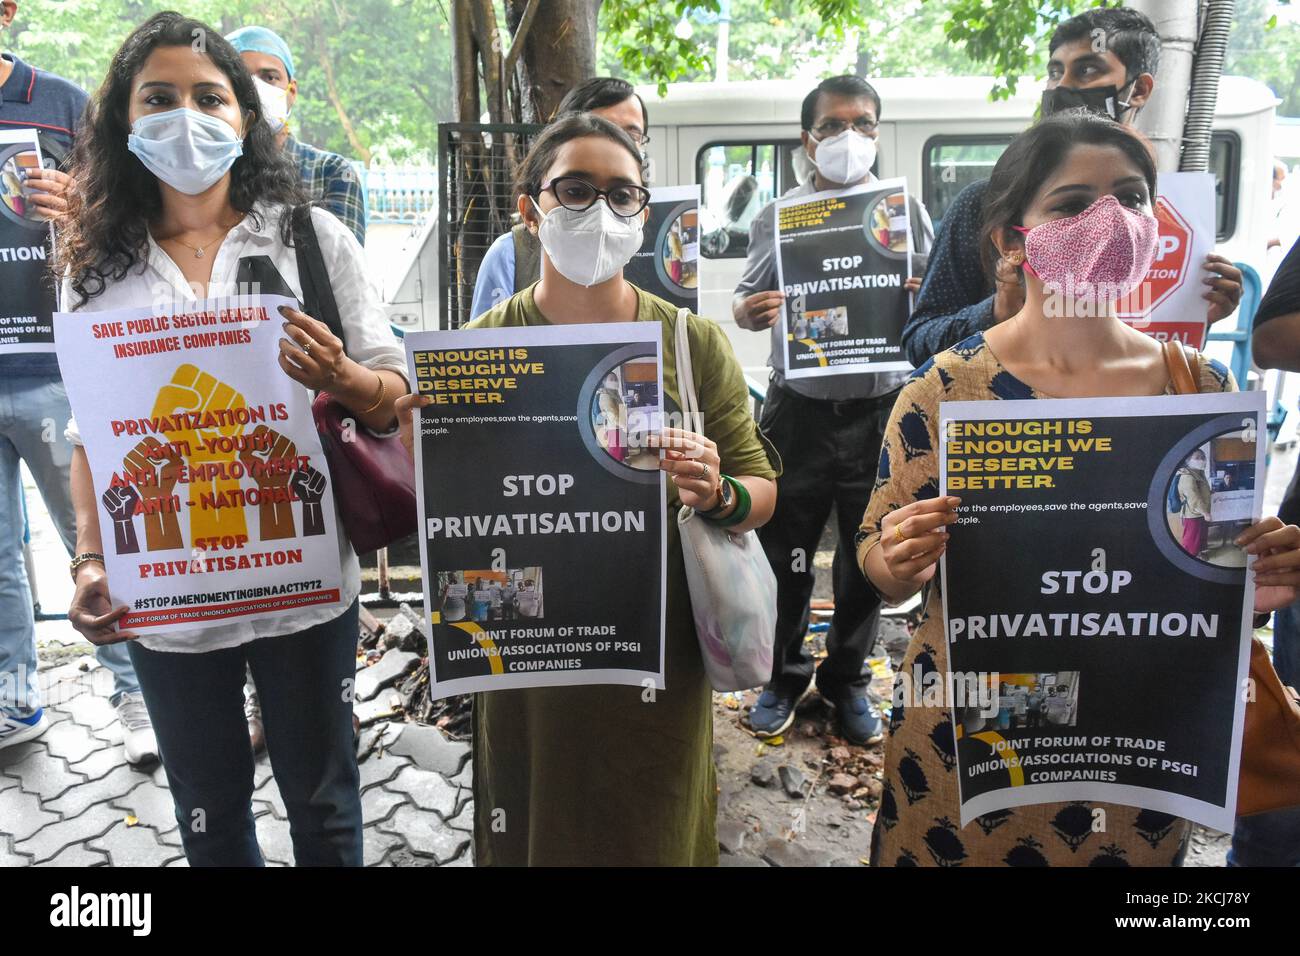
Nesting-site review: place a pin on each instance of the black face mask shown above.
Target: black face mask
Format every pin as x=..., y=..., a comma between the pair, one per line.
x=1098, y=99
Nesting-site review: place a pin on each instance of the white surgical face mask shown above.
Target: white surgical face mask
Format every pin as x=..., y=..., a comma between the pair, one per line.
x=803, y=165
x=186, y=149
x=845, y=158
x=275, y=104
x=591, y=246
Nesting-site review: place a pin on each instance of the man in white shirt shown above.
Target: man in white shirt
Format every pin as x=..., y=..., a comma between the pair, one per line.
x=828, y=431
x=508, y=601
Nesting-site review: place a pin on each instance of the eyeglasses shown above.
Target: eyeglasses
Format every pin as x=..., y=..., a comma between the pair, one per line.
x=833, y=127
x=578, y=195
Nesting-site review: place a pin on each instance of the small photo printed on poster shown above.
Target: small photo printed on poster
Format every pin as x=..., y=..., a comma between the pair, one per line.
x=486, y=596
x=1025, y=702
x=679, y=251
x=886, y=224
x=821, y=325
x=17, y=160
x=1210, y=498
x=625, y=412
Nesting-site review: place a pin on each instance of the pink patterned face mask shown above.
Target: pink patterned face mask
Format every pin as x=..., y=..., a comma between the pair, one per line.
x=1104, y=252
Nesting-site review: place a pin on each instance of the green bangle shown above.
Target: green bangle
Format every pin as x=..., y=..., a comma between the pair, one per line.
x=743, y=505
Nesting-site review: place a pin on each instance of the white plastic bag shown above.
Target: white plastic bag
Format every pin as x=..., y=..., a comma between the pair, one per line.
x=733, y=589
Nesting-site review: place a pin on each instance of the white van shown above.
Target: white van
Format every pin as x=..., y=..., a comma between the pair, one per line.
x=715, y=133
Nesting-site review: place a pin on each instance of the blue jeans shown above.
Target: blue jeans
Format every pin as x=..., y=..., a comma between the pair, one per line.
x=33, y=412
x=196, y=702
x=1273, y=839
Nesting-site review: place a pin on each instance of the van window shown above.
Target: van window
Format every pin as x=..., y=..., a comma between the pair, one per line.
x=951, y=163
x=736, y=181
x=1225, y=162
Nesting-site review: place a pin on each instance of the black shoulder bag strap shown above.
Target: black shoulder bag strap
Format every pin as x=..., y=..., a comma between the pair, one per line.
x=317, y=293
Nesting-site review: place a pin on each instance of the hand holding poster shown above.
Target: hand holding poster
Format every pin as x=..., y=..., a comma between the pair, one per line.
x=1169, y=303
x=543, y=534
x=668, y=263
x=1098, y=613
x=842, y=260
x=28, y=303
x=213, y=491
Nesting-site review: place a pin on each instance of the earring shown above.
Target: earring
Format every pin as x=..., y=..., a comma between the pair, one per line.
x=1016, y=257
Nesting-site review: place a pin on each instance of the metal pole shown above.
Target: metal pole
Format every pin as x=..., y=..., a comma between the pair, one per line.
x=1165, y=113
x=724, y=41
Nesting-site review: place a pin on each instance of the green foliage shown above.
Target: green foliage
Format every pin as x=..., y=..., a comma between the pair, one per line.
x=391, y=59
x=646, y=45
x=1267, y=49
x=1009, y=37
x=779, y=39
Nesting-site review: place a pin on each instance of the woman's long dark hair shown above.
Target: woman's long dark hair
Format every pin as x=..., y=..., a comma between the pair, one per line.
x=1037, y=153
x=105, y=232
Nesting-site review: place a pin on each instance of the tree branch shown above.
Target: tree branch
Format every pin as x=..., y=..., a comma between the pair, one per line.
x=487, y=38
x=521, y=35
x=465, y=89
x=332, y=91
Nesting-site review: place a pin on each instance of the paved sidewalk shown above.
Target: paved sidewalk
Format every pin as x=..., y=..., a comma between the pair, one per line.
x=70, y=799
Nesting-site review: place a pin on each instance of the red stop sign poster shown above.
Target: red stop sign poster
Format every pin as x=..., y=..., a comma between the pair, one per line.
x=1169, y=300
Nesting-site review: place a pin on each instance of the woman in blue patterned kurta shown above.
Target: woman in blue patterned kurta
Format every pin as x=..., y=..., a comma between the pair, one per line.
x=1052, y=348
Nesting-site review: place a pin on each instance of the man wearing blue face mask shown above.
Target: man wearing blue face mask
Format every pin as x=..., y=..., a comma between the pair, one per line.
x=828, y=433
x=327, y=178
x=33, y=403
x=1103, y=60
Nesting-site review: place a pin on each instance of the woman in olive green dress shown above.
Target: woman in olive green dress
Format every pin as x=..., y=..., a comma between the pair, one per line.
x=613, y=774
x=1064, y=171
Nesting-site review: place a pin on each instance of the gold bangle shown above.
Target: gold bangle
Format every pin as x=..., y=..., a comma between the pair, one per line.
x=379, y=400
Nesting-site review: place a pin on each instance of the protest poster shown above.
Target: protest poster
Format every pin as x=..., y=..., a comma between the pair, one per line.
x=1169, y=304
x=214, y=495
x=1098, y=613
x=843, y=257
x=543, y=536
x=668, y=262
x=26, y=243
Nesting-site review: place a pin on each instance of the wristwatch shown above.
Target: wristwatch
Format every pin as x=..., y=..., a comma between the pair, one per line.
x=81, y=559
x=725, y=497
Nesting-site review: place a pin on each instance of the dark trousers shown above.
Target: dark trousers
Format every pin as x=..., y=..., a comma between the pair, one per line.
x=196, y=703
x=1273, y=838
x=830, y=452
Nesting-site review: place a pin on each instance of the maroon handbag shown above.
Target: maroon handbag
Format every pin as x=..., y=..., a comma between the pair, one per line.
x=374, y=477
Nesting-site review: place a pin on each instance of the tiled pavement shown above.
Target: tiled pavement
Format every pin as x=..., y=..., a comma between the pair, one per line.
x=70, y=799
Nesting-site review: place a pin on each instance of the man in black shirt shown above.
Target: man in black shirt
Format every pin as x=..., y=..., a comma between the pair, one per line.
x=1104, y=60
x=1273, y=839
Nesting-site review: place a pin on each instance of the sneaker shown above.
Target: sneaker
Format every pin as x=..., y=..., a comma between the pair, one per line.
x=15, y=729
x=137, y=731
x=256, y=730
x=859, y=720
x=774, y=713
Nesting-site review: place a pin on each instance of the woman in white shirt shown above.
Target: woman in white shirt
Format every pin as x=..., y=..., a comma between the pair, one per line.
x=168, y=215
